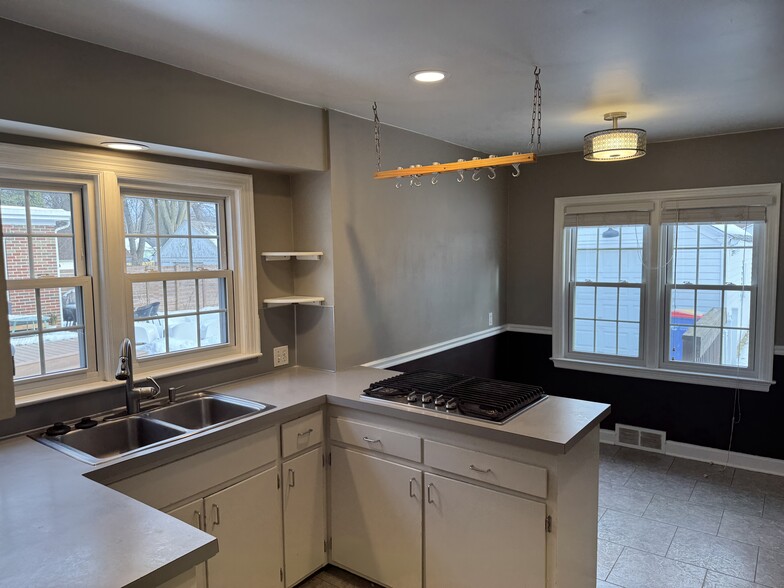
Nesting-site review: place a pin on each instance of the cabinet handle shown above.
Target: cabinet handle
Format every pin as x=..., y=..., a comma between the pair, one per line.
x=473, y=468
x=429, y=487
x=303, y=433
x=369, y=440
x=411, y=487
x=197, y=514
x=216, y=510
x=292, y=480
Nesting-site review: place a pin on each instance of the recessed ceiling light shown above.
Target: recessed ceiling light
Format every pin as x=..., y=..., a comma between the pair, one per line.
x=125, y=146
x=428, y=76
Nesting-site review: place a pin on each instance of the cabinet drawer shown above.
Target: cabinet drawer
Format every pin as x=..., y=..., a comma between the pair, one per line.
x=302, y=433
x=170, y=483
x=487, y=468
x=376, y=438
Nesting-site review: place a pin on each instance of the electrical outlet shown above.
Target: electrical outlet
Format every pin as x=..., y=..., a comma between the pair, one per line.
x=490, y=319
x=280, y=355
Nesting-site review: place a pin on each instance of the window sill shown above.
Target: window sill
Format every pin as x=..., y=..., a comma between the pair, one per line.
x=63, y=392
x=664, y=374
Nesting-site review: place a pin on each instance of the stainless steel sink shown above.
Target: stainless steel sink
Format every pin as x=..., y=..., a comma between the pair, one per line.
x=202, y=410
x=113, y=438
x=123, y=435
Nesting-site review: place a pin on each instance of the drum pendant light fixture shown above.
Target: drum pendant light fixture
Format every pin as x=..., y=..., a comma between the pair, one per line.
x=614, y=144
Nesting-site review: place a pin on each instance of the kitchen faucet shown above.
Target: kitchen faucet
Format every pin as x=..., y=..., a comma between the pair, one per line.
x=133, y=395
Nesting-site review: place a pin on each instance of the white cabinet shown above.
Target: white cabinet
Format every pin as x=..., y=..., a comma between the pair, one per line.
x=480, y=537
x=245, y=519
x=304, y=515
x=377, y=518
x=193, y=514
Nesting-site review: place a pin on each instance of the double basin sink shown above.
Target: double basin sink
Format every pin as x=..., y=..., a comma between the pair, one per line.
x=153, y=427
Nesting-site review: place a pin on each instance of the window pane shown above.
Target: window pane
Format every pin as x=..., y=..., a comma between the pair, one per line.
x=711, y=266
x=740, y=234
x=204, y=218
x=213, y=329
x=609, y=238
x=206, y=255
x=139, y=216
x=50, y=213
x=148, y=336
x=707, y=344
x=631, y=265
x=22, y=311
x=64, y=350
x=736, y=347
x=606, y=337
x=681, y=346
x=709, y=308
x=712, y=235
x=738, y=263
x=27, y=356
x=629, y=304
x=13, y=211
x=45, y=257
x=632, y=236
x=587, y=237
x=141, y=255
x=607, y=303
x=582, y=336
x=61, y=307
x=180, y=296
x=737, y=309
x=682, y=307
x=584, y=302
x=212, y=294
x=585, y=266
x=685, y=261
x=147, y=299
x=173, y=217
x=629, y=339
x=609, y=265
x=175, y=254
x=17, y=258
x=182, y=333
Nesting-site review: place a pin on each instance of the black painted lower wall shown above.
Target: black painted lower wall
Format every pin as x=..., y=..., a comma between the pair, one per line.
x=700, y=415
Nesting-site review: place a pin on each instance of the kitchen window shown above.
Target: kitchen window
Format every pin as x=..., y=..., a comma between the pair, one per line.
x=676, y=285
x=102, y=247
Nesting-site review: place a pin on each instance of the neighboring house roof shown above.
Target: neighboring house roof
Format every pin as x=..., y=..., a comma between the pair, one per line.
x=16, y=215
x=203, y=249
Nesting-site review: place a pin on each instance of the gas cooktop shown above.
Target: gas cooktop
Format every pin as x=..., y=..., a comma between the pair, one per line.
x=480, y=398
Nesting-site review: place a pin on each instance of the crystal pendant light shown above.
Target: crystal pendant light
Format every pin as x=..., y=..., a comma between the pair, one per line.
x=614, y=144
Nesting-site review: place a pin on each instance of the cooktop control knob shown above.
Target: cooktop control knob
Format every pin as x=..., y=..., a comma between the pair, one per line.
x=412, y=397
x=427, y=398
x=440, y=400
x=451, y=404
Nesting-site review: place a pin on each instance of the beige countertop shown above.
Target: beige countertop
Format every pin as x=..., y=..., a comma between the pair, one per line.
x=59, y=527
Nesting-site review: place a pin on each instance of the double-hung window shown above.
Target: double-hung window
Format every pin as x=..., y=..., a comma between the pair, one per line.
x=676, y=285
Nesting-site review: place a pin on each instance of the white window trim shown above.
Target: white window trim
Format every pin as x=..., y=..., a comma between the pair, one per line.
x=760, y=378
x=103, y=175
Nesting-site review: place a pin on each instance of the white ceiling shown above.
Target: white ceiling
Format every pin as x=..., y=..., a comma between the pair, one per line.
x=681, y=68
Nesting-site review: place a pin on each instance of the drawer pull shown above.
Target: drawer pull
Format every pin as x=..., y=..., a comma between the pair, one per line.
x=473, y=468
x=429, y=487
x=369, y=440
x=308, y=432
x=411, y=488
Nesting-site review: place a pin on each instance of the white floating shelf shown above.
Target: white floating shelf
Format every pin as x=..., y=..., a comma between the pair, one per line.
x=286, y=255
x=282, y=300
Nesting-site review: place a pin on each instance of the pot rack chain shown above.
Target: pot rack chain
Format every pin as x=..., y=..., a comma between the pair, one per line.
x=415, y=172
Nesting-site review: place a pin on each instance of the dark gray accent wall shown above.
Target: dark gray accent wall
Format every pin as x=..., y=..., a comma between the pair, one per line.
x=413, y=267
x=727, y=160
x=59, y=82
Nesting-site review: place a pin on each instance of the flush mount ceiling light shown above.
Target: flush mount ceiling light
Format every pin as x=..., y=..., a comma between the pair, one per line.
x=614, y=144
x=125, y=146
x=428, y=76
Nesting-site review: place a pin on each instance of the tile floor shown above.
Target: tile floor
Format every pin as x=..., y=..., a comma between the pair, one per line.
x=668, y=522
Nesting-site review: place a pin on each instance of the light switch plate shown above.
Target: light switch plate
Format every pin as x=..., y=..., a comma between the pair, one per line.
x=280, y=356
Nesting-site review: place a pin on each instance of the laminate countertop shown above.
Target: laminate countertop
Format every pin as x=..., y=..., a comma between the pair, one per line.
x=59, y=525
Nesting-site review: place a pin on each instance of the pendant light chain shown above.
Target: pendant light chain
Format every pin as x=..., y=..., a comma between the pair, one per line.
x=536, y=114
x=377, y=134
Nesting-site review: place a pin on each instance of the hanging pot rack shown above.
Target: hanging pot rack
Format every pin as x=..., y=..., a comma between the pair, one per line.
x=417, y=171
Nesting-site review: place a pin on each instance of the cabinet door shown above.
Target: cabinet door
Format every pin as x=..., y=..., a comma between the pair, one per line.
x=377, y=518
x=247, y=521
x=304, y=516
x=193, y=514
x=480, y=537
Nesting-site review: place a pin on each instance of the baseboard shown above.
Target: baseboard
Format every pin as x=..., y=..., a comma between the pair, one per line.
x=386, y=362
x=533, y=329
x=745, y=461
x=778, y=350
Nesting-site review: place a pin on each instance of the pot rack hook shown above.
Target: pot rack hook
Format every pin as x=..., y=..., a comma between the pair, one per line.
x=434, y=176
x=515, y=166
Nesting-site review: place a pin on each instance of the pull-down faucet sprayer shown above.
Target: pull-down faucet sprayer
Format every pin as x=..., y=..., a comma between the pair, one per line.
x=133, y=395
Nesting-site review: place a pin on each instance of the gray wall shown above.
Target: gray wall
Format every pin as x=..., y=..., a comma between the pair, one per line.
x=413, y=267
x=727, y=160
x=64, y=83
